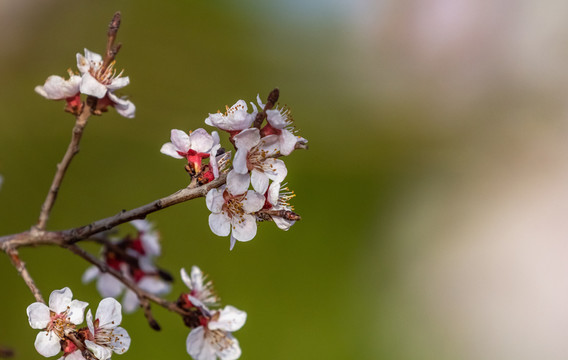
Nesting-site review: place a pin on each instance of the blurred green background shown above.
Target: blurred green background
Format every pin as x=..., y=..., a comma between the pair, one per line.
x=434, y=127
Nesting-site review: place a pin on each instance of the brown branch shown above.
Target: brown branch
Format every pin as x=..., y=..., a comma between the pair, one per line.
x=39, y=237
x=270, y=102
x=143, y=296
x=72, y=150
x=21, y=267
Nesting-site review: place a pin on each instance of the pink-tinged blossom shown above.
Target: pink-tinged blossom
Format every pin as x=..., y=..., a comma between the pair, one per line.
x=213, y=339
x=280, y=124
x=256, y=154
x=232, y=208
x=194, y=146
x=201, y=289
x=56, y=320
x=101, y=81
x=234, y=120
x=277, y=199
x=105, y=334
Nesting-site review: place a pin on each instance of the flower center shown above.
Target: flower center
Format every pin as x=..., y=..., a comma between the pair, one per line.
x=108, y=338
x=59, y=323
x=104, y=75
x=218, y=339
x=233, y=205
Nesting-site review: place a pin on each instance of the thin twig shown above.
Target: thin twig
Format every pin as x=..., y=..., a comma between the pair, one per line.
x=23, y=271
x=72, y=150
x=143, y=296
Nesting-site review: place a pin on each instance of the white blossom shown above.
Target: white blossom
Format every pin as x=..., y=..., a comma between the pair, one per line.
x=235, y=119
x=56, y=320
x=214, y=340
x=201, y=288
x=107, y=335
x=256, y=154
x=232, y=207
x=280, y=124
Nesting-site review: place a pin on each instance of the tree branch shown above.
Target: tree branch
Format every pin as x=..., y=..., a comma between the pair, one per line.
x=21, y=267
x=72, y=150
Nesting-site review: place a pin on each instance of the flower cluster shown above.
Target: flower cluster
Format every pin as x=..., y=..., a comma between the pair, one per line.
x=236, y=209
x=211, y=335
x=59, y=321
x=133, y=257
x=98, y=78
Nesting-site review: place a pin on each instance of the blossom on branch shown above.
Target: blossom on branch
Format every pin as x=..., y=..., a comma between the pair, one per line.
x=213, y=339
x=202, y=293
x=56, y=320
x=277, y=200
x=232, y=207
x=105, y=335
x=235, y=119
x=257, y=156
x=101, y=80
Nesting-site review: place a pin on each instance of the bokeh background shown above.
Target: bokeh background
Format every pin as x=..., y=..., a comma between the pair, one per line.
x=434, y=194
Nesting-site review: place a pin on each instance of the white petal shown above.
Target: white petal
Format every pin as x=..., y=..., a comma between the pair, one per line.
x=215, y=120
x=197, y=347
x=273, y=193
x=109, y=313
x=247, y=139
x=240, y=161
x=232, y=242
x=82, y=63
x=120, y=341
x=253, y=202
x=215, y=136
x=232, y=352
x=237, y=183
x=57, y=88
x=283, y=224
x=220, y=224
x=38, y=315
x=60, y=299
x=170, y=150
x=185, y=278
x=123, y=106
x=200, y=141
x=278, y=170
x=154, y=285
x=90, y=324
x=244, y=228
x=213, y=163
x=130, y=301
x=230, y=319
x=100, y=352
x=91, y=86
x=259, y=181
x=259, y=101
x=180, y=140
x=47, y=343
x=196, y=278
x=93, y=57
x=142, y=225
x=76, y=311
x=287, y=142
x=214, y=199
x=118, y=83
x=90, y=274
x=275, y=118
x=108, y=285
x=75, y=355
